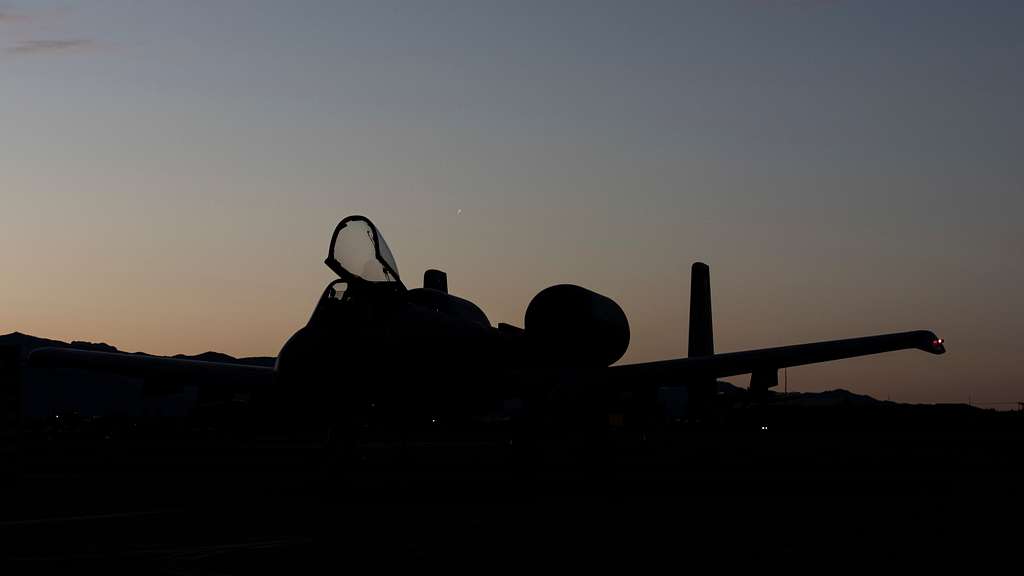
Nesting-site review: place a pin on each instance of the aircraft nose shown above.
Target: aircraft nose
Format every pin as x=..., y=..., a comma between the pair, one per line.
x=938, y=346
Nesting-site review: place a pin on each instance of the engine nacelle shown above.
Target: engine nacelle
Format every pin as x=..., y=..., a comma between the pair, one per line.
x=575, y=325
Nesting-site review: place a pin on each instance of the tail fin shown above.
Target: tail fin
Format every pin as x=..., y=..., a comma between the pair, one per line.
x=702, y=338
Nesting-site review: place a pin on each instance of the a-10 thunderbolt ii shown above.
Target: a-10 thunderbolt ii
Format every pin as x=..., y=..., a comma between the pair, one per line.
x=379, y=361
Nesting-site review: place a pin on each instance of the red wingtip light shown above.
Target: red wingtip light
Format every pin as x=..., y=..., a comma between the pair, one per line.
x=937, y=343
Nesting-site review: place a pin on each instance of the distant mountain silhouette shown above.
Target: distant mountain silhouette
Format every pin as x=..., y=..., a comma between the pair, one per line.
x=27, y=343
x=837, y=397
x=832, y=399
x=828, y=398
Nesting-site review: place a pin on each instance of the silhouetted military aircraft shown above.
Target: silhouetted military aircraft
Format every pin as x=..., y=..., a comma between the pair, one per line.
x=379, y=356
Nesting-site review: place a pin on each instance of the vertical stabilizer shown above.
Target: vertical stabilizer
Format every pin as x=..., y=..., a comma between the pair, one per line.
x=702, y=339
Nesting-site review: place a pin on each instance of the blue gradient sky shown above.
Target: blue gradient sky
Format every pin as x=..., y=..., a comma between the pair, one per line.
x=171, y=172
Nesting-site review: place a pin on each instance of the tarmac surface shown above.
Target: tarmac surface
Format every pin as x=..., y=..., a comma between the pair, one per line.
x=803, y=494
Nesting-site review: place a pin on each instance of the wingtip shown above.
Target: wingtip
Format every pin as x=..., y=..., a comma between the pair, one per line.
x=936, y=345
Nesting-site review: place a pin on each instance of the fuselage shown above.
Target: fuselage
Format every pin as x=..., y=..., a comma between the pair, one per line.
x=380, y=351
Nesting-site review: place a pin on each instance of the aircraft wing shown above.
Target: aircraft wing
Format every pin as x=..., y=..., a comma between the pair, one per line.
x=770, y=360
x=154, y=367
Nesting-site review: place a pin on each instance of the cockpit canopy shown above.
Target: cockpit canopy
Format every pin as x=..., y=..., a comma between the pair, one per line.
x=358, y=252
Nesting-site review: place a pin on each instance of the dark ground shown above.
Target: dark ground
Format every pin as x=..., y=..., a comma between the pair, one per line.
x=828, y=486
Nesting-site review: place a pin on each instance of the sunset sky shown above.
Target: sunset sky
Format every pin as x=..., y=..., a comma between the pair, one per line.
x=171, y=172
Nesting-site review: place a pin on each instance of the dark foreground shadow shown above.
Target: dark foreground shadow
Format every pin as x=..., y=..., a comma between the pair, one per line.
x=807, y=489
